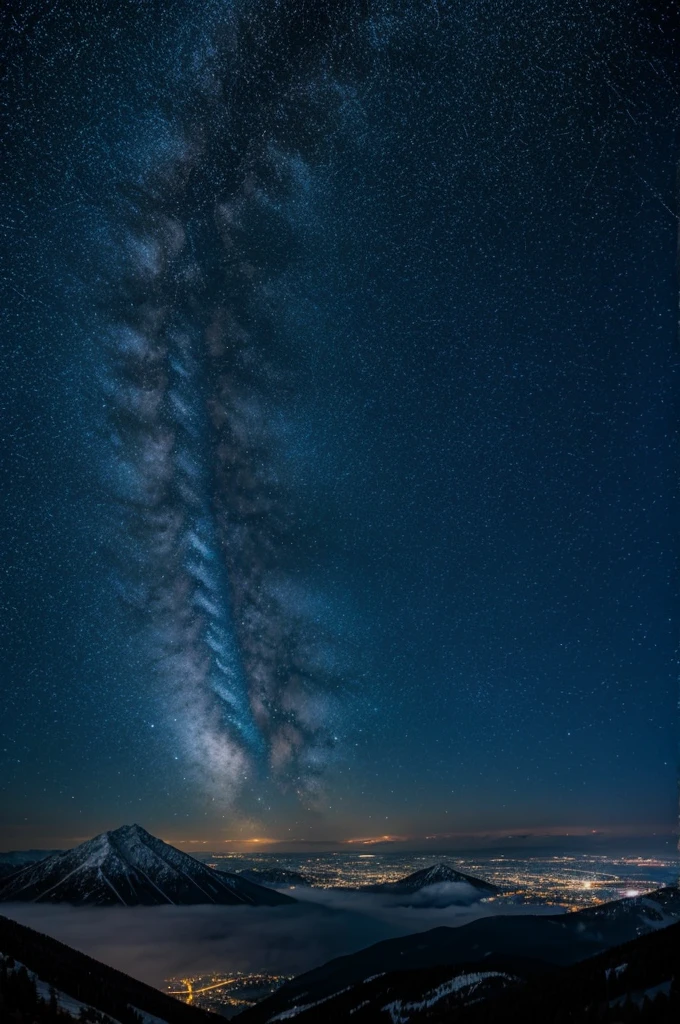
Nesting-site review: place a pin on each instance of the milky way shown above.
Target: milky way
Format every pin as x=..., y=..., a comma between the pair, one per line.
x=196, y=390
x=340, y=390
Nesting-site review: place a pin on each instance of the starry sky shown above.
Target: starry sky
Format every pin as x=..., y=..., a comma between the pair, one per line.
x=338, y=390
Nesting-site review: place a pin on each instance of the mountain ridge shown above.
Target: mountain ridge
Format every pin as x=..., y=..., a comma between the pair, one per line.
x=642, y=974
x=557, y=939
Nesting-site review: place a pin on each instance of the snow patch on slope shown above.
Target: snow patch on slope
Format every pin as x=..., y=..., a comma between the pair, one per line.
x=399, y=1010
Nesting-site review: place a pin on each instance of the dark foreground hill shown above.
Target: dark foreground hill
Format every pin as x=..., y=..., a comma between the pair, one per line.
x=74, y=974
x=129, y=867
x=491, y=948
x=638, y=981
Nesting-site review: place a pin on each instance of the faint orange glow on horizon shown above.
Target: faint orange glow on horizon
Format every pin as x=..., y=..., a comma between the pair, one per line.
x=518, y=836
x=370, y=840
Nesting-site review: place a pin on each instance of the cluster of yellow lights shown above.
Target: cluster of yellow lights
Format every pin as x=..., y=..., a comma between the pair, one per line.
x=191, y=990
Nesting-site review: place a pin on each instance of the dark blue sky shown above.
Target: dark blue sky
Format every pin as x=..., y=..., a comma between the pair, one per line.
x=339, y=390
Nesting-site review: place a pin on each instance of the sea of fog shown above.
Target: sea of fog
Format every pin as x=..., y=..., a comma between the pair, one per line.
x=154, y=943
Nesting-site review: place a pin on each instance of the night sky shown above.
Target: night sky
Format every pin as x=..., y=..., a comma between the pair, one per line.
x=338, y=393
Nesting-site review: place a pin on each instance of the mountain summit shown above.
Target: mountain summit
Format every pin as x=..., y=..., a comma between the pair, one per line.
x=435, y=875
x=130, y=867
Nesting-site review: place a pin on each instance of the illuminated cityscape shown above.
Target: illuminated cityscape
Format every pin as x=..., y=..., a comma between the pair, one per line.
x=571, y=881
x=568, y=882
x=225, y=993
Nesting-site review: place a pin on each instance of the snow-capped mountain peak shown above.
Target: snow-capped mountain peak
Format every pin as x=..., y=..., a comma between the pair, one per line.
x=437, y=874
x=129, y=866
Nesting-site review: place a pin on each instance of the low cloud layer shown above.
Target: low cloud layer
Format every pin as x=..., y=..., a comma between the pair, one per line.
x=154, y=943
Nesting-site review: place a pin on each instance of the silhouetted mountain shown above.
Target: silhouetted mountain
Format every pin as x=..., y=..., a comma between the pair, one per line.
x=274, y=876
x=510, y=946
x=438, y=874
x=77, y=979
x=637, y=981
x=397, y=997
x=129, y=867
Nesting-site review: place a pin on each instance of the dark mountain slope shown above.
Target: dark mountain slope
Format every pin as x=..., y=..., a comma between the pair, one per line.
x=91, y=982
x=638, y=980
x=554, y=939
